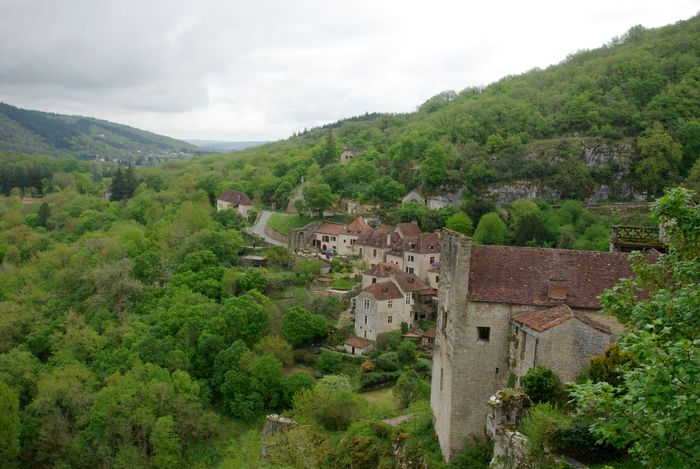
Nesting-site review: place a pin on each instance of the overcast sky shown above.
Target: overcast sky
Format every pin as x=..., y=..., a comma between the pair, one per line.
x=262, y=69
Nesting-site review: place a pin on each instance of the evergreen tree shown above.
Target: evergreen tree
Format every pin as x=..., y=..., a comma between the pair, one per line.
x=43, y=215
x=118, y=187
x=329, y=152
x=130, y=182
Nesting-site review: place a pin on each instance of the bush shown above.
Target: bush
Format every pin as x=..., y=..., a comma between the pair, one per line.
x=304, y=356
x=539, y=425
x=377, y=378
x=477, y=454
x=331, y=408
x=367, y=367
x=606, y=367
x=578, y=442
x=388, y=361
x=542, y=385
x=410, y=387
x=330, y=362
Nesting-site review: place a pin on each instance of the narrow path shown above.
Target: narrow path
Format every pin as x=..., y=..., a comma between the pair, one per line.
x=259, y=228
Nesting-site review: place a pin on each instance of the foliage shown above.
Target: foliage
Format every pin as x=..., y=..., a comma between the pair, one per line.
x=542, y=385
x=329, y=362
x=490, y=230
x=461, y=223
x=476, y=454
x=607, y=367
x=653, y=408
x=540, y=424
x=333, y=407
x=300, y=326
x=388, y=361
x=410, y=387
x=9, y=426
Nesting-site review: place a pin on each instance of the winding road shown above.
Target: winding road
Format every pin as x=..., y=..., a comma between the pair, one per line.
x=259, y=228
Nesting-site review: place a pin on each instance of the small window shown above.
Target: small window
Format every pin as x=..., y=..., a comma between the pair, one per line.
x=333, y=238
x=437, y=279
x=374, y=280
x=409, y=270
x=484, y=333
x=408, y=298
x=390, y=303
x=440, y=377
x=432, y=260
x=366, y=303
x=374, y=253
x=365, y=319
x=410, y=258
x=389, y=319
x=360, y=251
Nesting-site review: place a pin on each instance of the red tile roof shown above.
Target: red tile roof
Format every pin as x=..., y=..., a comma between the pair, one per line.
x=383, y=269
x=376, y=237
x=330, y=228
x=408, y=229
x=384, y=291
x=430, y=333
x=537, y=276
x=358, y=342
x=409, y=282
x=235, y=198
x=547, y=318
x=358, y=226
x=424, y=243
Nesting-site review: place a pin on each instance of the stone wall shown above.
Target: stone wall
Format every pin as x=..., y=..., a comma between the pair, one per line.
x=505, y=410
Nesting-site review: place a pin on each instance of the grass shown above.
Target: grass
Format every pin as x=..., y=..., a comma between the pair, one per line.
x=379, y=396
x=283, y=222
x=343, y=283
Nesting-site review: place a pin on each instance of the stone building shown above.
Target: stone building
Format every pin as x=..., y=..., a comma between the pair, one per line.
x=236, y=200
x=348, y=154
x=488, y=297
x=416, y=254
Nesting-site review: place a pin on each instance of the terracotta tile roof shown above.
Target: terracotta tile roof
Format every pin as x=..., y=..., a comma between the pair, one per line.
x=548, y=318
x=358, y=226
x=383, y=269
x=330, y=228
x=425, y=243
x=358, y=342
x=537, y=276
x=235, y=198
x=430, y=333
x=408, y=229
x=384, y=291
x=376, y=237
x=409, y=282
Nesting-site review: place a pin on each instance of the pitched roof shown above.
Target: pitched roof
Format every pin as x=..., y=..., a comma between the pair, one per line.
x=376, y=237
x=538, y=276
x=430, y=333
x=358, y=226
x=424, y=243
x=548, y=318
x=409, y=282
x=383, y=269
x=408, y=229
x=236, y=198
x=358, y=342
x=384, y=291
x=330, y=228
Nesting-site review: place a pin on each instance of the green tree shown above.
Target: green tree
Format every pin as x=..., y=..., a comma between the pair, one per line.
x=43, y=215
x=9, y=427
x=654, y=409
x=166, y=444
x=118, y=187
x=408, y=388
x=490, y=230
x=660, y=160
x=299, y=326
x=461, y=223
x=277, y=347
x=541, y=385
x=318, y=197
x=329, y=150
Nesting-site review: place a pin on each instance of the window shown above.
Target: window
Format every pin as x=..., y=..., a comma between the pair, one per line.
x=360, y=251
x=484, y=333
x=365, y=319
x=440, y=374
x=389, y=304
x=437, y=279
x=325, y=239
x=389, y=319
x=352, y=242
x=366, y=303
x=333, y=238
x=374, y=280
x=523, y=341
x=432, y=260
x=365, y=334
x=444, y=320
x=374, y=253
x=409, y=270
x=408, y=298
x=410, y=258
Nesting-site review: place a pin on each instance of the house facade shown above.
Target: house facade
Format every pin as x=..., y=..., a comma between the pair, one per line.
x=236, y=200
x=348, y=154
x=326, y=236
x=492, y=301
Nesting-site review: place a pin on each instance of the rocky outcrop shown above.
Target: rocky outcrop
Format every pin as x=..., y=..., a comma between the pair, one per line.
x=505, y=410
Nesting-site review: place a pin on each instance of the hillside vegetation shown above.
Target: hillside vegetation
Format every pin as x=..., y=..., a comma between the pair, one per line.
x=616, y=122
x=83, y=137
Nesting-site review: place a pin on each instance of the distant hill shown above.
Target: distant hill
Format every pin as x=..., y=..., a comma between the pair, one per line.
x=28, y=131
x=224, y=147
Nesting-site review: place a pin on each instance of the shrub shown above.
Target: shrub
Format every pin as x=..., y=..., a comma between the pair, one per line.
x=377, y=378
x=304, y=356
x=334, y=409
x=406, y=353
x=330, y=362
x=295, y=383
x=542, y=385
x=540, y=423
x=579, y=442
x=476, y=454
x=410, y=387
x=606, y=367
x=388, y=361
x=367, y=367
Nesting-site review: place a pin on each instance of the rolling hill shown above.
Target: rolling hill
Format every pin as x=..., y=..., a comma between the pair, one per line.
x=35, y=132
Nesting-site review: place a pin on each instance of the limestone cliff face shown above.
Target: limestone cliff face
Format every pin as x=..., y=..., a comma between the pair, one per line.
x=599, y=155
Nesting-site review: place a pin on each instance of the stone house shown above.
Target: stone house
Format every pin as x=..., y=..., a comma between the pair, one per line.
x=373, y=245
x=378, y=273
x=236, y=200
x=427, y=339
x=347, y=239
x=326, y=236
x=489, y=296
x=358, y=346
x=348, y=154
x=416, y=254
